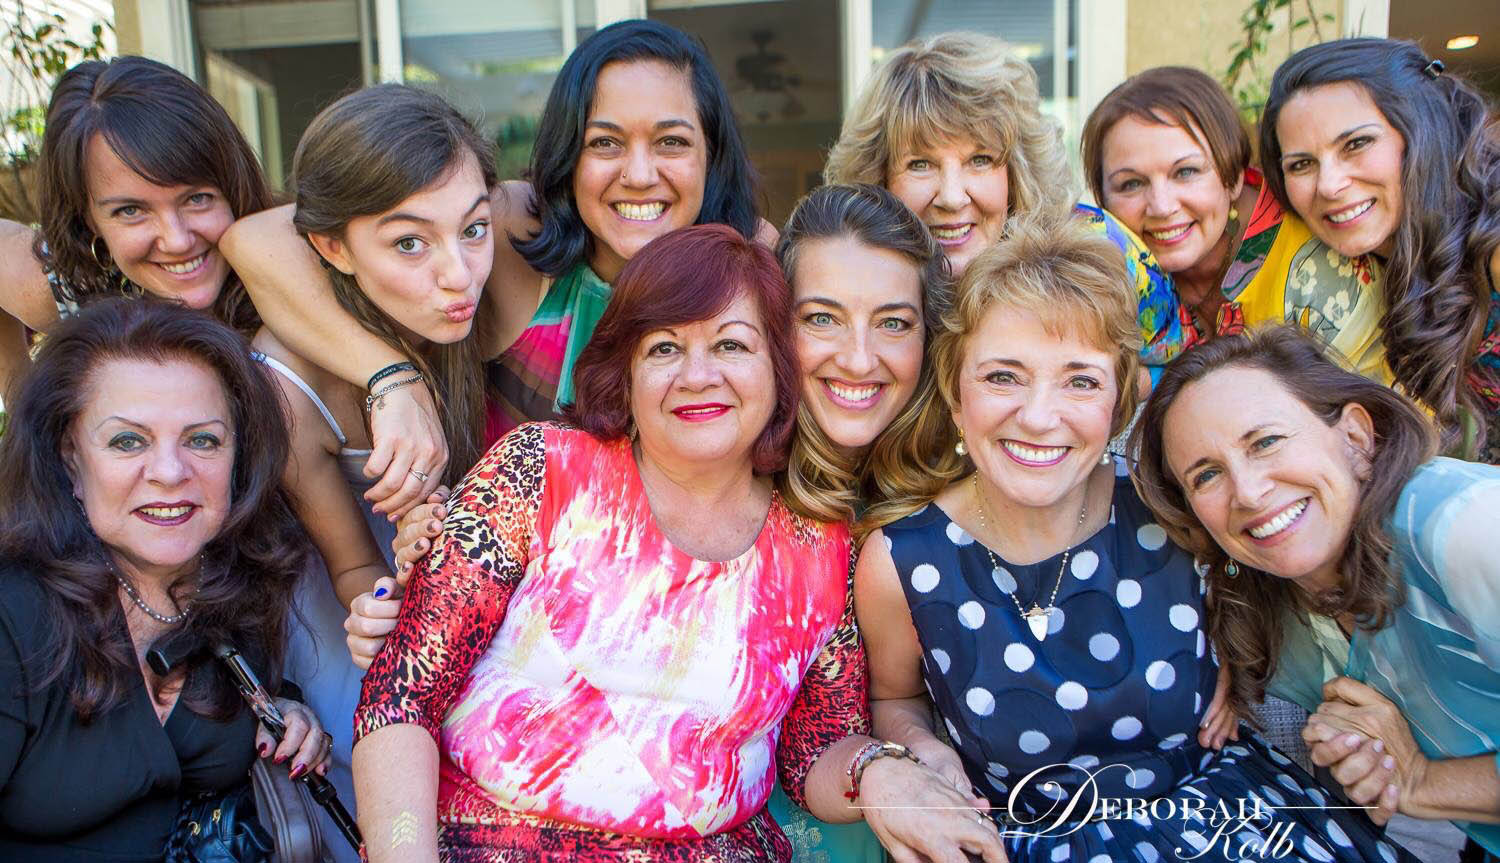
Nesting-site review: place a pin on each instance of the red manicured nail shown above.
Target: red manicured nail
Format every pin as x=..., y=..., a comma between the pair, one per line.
x=298, y=770
x=262, y=749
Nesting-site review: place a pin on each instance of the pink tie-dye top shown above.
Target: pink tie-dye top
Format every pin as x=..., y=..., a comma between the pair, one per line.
x=577, y=667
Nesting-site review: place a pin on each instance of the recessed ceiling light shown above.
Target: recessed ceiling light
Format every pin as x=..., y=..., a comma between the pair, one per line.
x=1458, y=43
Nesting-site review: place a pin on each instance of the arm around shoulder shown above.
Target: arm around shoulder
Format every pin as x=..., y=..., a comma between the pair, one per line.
x=294, y=297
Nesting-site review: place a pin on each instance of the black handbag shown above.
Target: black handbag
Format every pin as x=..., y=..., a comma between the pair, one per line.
x=219, y=828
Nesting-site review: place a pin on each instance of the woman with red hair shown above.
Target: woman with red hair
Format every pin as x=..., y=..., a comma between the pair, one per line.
x=626, y=632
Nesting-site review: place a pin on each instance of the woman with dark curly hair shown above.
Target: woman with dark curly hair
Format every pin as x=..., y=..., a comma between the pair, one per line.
x=141, y=173
x=143, y=508
x=1353, y=572
x=638, y=138
x=1380, y=151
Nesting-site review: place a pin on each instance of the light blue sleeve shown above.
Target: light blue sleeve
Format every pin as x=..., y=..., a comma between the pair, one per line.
x=1448, y=525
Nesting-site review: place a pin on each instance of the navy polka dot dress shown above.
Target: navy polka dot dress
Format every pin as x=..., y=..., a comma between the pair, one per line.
x=1116, y=690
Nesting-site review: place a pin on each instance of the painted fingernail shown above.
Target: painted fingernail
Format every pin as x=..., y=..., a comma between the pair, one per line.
x=280, y=759
x=1378, y=746
x=263, y=749
x=1351, y=740
x=380, y=592
x=1389, y=763
x=298, y=770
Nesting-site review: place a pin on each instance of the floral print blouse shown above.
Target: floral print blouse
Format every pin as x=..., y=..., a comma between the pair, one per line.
x=595, y=692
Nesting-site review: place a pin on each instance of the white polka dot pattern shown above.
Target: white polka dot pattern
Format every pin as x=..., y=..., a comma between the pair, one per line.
x=924, y=578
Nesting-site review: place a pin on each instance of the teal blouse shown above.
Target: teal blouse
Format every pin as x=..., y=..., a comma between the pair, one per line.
x=1439, y=658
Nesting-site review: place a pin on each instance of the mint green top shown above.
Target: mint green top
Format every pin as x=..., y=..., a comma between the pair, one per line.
x=1438, y=659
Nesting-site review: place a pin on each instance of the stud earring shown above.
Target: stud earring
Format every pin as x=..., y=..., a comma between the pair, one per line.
x=959, y=447
x=1107, y=458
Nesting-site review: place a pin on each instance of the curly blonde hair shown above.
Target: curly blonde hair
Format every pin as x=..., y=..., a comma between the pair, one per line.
x=949, y=86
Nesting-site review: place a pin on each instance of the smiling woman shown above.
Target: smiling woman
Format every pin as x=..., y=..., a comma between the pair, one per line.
x=141, y=173
x=637, y=138
x=1383, y=153
x=142, y=509
x=1355, y=572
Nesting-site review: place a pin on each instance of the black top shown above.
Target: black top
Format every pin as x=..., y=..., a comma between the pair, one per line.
x=106, y=791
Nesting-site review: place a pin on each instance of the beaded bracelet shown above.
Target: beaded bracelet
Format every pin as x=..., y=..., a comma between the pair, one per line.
x=386, y=372
x=377, y=398
x=869, y=752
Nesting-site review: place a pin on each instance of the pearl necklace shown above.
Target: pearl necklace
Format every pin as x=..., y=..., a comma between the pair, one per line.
x=1037, y=618
x=170, y=620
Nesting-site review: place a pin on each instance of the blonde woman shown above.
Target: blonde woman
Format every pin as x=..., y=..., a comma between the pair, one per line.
x=1059, y=633
x=953, y=126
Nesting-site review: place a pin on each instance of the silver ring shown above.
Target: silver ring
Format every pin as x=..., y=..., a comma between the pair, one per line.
x=418, y=474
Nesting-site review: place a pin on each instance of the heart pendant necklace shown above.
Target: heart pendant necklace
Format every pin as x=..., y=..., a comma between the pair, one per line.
x=1038, y=618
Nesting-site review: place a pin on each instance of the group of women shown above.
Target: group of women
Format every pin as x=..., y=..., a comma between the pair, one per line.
x=637, y=507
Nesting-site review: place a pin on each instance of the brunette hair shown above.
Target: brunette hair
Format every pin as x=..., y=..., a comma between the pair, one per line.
x=956, y=85
x=165, y=128
x=687, y=275
x=248, y=570
x=1170, y=96
x=1437, y=289
x=364, y=155
x=824, y=482
x=1249, y=609
x=729, y=192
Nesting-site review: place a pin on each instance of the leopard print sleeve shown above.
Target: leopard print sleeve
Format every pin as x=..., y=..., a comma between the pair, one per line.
x=457, y=597
x=833, y=702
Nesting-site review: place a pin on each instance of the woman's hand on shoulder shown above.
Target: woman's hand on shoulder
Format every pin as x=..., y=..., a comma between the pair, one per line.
x=305, y=744
x=917, y=814
x=371, y=620
x=418, y=532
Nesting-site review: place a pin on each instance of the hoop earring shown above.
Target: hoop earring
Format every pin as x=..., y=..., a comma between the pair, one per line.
x=959, y=447
x=98, y=258
x=113, y=271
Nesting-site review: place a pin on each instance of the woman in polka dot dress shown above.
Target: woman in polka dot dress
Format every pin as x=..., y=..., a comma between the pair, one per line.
x=1058, y=632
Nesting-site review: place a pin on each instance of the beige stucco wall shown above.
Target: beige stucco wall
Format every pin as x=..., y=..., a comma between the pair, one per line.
x=1206, y=34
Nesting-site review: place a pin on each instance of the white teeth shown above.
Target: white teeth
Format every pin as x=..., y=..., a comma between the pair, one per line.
x=1032, y=453
x=951, y=233
x=1166, y=236
x=186, y=267
x=697, y=411
x=166, y=512
x=1345, y=216
x=1280, y=522
x=641, y=212
x=854, y=394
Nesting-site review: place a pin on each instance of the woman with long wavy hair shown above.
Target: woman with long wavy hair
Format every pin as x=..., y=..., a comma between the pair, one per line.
x=1353, y=571
x=393, y=190
x=637, y=138
x=1382, y=152
x=143, y=508
x=141, y=172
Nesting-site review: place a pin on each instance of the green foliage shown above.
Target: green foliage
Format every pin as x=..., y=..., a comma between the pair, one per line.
x=1248, y=78
x=35, y=49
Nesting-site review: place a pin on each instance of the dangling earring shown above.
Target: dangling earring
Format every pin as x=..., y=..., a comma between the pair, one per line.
x=1107, y=458
x=959, y=447
x=1234, y=213
x=1232, y=569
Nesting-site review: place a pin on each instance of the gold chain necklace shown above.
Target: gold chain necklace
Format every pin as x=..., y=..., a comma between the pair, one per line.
x=1037, y=618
